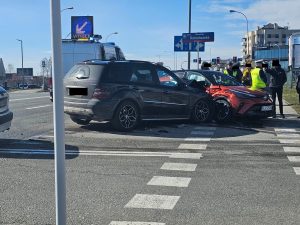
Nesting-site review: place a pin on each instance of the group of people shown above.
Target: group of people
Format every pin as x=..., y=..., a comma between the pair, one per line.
x=262, y=78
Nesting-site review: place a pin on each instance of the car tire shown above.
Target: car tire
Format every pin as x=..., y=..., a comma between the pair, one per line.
x=126, y=116
x=80, y=120
x=224, y=112
x=202, y=111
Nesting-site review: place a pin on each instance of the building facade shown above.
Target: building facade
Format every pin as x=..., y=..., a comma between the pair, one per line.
x=268, y=42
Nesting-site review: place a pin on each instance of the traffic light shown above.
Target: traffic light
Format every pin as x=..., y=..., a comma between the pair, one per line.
x=234, y=59
x=218, y=60
x=199, y=60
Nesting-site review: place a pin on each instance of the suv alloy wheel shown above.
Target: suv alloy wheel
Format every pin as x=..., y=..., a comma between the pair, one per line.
x=126, y=116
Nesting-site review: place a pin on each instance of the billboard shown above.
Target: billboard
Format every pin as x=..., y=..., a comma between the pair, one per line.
x=26, y=71
x=82, y=27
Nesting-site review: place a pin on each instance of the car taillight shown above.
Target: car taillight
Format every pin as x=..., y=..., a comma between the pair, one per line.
x=100, y=93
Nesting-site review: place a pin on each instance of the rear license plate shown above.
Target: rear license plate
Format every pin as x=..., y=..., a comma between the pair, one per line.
x=78, y=91
x=266, y=108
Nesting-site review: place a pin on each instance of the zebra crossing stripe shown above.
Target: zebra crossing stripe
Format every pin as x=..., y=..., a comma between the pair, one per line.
x=297, y=170
x=170, y=181
x=289, y=141
x=294, y=158
x=134, y=223
x=192, y=146
x=179, y=166
x=195, y=139
x=291, y=149
x=147, y=201
x=285, y=130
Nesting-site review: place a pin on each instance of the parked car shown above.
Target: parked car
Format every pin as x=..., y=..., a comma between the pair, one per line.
x=6, y=115
x=126, y=92
x=232, y=97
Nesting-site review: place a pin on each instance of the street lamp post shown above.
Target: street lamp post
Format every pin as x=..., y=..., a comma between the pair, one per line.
x=22, y=61
x=190, y=26
x=234, y=11
x=67, y=8
x=110, y=35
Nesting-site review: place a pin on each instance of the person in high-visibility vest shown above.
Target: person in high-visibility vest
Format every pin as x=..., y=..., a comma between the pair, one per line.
x=228, y=70
x=236, y=72
x=258, y=77
x=246, y=79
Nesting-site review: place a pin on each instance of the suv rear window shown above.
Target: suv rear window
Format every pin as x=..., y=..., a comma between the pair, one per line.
x=85, y=71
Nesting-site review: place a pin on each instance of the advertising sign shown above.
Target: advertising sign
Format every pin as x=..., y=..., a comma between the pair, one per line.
x=82, y=27
x=26, y=71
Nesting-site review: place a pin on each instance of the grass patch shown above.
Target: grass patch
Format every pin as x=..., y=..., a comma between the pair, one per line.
x=291, y=96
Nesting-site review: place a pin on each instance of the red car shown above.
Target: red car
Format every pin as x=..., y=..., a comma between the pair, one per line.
x=233, y=98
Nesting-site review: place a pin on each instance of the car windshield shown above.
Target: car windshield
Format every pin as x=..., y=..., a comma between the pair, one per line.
x=215, y=78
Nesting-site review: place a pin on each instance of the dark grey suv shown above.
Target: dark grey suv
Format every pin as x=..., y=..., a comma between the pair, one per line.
x=126, y=92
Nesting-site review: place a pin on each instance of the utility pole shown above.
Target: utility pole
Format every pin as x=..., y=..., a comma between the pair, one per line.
x=190, y=22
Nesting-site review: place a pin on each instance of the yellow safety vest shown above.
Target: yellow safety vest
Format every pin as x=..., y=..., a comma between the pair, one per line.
x=225, y=72
x=257, y=82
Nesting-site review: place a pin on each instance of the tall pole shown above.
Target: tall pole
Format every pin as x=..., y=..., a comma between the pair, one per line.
x=58, y=113
x=190, y=24
x=23, y=79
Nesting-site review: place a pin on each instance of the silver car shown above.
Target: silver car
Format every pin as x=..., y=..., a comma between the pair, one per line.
x=6, y=115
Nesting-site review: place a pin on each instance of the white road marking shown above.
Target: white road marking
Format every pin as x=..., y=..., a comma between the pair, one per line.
x=21, y=99
x=204, y=133
x=192, y=146
x=170, y=181
x=289, y=141
x=147, y=201
x=103, y=153
x=297, y=170
x=292, y=149
x=179, y=166
x=294, y=158
x=205, y=128
x=37, y=107
x=284, y=130
x=197, y=139
x=186, y=155
x=134, y=223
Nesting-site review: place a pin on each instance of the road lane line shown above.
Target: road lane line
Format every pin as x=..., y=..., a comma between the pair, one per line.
x=192, y=146
x=170, y=181
x=20, y=99
x=134, y=223
x=147, y=201
x=197, y=139
x=291, y=149
x=103, y=153
x=37, y=107
x=204, y=133
x=179, y=166
x=294, y=158
x=297, y=170
x=288, y=135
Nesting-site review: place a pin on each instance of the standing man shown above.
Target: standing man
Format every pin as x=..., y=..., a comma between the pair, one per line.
x=228, y=69
x=258, y=77
x=277, y=80
x=236, y=72
x=246, y=79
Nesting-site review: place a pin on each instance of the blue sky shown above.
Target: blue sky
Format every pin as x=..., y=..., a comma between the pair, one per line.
x=146, y=29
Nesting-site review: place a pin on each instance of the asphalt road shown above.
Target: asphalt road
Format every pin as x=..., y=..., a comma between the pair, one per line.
x=163, y=173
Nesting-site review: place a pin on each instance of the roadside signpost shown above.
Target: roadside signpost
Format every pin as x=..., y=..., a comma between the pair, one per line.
x=193, y=42
x=82, y=27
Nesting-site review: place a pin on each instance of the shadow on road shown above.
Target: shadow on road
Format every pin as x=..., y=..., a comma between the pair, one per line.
x=33, y=149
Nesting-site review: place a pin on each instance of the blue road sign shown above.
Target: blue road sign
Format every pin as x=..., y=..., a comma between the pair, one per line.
x=198, y=37
x=82, y=27
x=180, y=46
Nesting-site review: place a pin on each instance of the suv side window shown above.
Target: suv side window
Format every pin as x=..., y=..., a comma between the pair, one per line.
x=165, y=78
x=110, y=53
x=142, y=74
x=119, y=73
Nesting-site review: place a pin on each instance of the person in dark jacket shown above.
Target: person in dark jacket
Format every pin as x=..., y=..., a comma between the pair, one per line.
x=277, y=80
x=205, y=66
x=236, y=72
